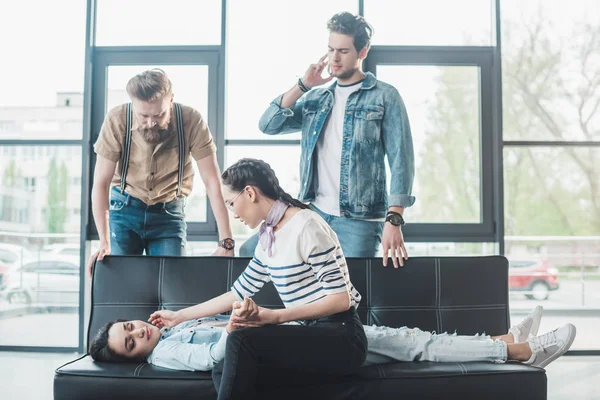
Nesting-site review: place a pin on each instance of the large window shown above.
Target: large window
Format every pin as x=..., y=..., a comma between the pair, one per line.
x=41, y=127
x=40, y=219
x=443, y=106
x=266, y=53
x=158, y=23
x=432, y=22
x=507, y=144
x=551, y=118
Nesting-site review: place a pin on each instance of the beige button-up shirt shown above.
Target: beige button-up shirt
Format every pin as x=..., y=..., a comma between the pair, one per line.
x=152, y=171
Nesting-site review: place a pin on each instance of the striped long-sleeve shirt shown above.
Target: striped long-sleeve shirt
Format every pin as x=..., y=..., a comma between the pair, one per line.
x=307, y=264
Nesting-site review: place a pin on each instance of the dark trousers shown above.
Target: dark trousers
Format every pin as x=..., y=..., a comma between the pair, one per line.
x=334, y=345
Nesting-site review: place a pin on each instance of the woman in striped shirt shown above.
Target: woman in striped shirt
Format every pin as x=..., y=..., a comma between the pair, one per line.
x=301, y=255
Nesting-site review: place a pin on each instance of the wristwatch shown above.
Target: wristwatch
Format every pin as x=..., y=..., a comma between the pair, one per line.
x=395, y=218
x=227, y=244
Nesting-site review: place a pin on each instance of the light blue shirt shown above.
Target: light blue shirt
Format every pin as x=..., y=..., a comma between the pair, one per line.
x=191, y=346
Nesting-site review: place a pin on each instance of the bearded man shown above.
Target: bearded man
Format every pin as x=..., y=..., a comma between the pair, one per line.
x=143, y=173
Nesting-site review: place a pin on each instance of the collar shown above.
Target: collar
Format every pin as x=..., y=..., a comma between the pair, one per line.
x=368, y=83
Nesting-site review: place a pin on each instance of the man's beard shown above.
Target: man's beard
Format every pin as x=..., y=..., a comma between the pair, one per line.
x=346, y=74
x=155, y=135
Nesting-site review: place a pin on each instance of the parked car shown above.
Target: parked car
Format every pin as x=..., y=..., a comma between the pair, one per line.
x=15, y=255
x=45, y=282
x=68, y=251
x=3, y=270
x=533, y=277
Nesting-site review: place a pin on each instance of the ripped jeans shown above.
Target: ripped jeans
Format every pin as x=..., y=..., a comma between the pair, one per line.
x=405, y=344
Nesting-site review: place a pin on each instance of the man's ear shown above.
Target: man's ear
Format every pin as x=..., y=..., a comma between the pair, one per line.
x=363, y=53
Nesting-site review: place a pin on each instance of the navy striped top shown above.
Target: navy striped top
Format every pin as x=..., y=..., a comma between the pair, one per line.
x=307, y=264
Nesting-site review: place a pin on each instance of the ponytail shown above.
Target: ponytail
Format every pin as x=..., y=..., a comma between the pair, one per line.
x=253, y=172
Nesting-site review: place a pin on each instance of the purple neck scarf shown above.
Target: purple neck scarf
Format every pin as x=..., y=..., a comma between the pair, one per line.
x=266, y=234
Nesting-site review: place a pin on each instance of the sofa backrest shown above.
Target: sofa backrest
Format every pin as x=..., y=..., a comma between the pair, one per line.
x=443, y=294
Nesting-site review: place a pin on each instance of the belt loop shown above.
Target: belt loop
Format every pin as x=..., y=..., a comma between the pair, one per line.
x=127, y=199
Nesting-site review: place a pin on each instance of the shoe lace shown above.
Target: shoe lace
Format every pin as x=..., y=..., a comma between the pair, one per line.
x=541, y=342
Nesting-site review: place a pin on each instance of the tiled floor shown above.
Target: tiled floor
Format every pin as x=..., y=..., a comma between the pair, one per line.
x=25, y=376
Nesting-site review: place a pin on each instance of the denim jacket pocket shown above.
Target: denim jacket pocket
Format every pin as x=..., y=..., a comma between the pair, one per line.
x=309, y=114
x=368, y=123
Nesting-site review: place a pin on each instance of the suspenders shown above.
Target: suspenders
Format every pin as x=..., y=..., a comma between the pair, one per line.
x=127, y=149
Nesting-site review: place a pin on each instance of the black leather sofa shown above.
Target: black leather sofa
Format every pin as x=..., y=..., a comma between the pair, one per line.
x=466, y=294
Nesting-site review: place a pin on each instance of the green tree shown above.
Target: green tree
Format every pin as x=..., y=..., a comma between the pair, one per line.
x=58, y=180
x=551, y=91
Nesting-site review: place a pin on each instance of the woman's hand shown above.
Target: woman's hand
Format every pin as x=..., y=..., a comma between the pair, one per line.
x=164, y=318
x=246, y=309
x=265, y=316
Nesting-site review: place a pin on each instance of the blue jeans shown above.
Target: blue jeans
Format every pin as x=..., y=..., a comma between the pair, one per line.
x=358, y=238
x=135, y=227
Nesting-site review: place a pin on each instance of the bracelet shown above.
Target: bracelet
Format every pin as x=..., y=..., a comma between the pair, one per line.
x=302, y=86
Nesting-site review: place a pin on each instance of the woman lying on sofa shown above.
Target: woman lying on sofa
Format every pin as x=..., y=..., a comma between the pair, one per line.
x=301, y=255
x=198, y=345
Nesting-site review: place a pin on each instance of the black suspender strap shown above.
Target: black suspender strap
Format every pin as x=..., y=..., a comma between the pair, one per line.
x=126, y=149
x=181, y=147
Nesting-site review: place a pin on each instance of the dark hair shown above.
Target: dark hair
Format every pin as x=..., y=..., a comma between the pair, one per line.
x=353, y=25
x=253, y=172
x=99, y=349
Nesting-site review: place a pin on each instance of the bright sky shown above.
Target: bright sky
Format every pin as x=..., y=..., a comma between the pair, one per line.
x=268, y=43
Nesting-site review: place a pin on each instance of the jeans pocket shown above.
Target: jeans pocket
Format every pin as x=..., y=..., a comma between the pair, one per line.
x=177, y=211
x=116, y=205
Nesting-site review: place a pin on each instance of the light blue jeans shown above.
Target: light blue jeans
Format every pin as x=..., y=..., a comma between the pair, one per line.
x=358, y=238
x=404, y=344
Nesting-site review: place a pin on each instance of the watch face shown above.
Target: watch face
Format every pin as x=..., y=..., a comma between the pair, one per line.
x=228, y=244
x=395, y=220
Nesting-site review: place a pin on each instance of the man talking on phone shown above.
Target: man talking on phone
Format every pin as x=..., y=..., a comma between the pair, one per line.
x=348, y=128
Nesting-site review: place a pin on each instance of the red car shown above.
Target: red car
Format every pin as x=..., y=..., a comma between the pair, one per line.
x=533, y=277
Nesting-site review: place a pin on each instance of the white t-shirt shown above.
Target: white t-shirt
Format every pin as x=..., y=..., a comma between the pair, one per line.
x=329, y=153
x=307, y=264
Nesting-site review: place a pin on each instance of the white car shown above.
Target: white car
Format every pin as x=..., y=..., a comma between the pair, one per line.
x=43, y=282
x=63, y=250
x=13, y=255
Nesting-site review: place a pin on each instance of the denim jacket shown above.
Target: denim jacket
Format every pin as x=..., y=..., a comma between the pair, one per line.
x=375, y=125
x=191, y=345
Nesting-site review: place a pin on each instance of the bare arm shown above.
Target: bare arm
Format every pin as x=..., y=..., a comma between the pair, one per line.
x=311, y=78
x=103, y=173
x=328, y=305
x=211, y=176
x=214, y=306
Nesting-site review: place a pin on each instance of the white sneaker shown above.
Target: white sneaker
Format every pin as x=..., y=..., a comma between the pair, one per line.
x=529, y=326
x=549, y=346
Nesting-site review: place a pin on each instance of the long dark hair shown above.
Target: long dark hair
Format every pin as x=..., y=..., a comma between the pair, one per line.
x=253, y=172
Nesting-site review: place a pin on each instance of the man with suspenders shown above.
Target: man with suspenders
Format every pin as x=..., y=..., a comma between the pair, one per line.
x=143, y=173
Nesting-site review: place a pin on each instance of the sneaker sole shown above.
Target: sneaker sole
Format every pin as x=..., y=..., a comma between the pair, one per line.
x=563, y=349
